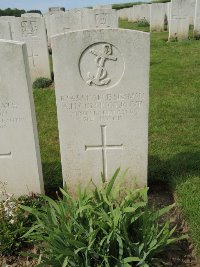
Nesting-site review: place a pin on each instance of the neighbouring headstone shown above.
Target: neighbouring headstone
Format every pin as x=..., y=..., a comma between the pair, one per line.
x=25, y=15
x=100, y=18
x=10, y=20
x=145, y=12
x=140, y=13
x=168, y=11
x=56, y=9
x=59, y=23
x=158, y=11
x=5, y=31
x=66, y=21
x=48, y=27
x=7, y=18
x=124, y=13
x=84, y=18
x=197, y=20
x=179, y=20
x=20, y=163
x=102, y=83
x=32, y=31
x=103, y=7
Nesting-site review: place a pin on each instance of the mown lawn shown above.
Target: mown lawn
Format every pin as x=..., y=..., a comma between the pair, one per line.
x=174, y=124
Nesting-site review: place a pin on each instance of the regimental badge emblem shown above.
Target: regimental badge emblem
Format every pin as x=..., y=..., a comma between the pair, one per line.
x=101, y=66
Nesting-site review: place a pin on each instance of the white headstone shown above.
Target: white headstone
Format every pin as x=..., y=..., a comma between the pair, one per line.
x=32, y=31
x=183, y=8
x=124, y=13
x=56, y=9
x=103, y=7
x=9, y=19
x=197, y=19
x=48, y=24
x=179, y=19
x=59, y=23
x=84, y=18
x=100, y=18
x=102, y=83
x=20, y=164
x=5, y=31
x=66, y=21
x=158, y=11
x=32, y=15
x=140, y=12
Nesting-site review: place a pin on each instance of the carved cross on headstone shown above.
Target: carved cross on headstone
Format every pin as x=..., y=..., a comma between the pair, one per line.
x=6, y=156
x=33, y=57
x=104, y=147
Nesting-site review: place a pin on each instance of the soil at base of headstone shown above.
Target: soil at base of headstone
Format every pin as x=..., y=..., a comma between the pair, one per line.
x=160, y=195
x=183, y=254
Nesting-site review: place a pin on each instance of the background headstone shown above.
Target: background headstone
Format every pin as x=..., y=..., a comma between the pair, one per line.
x=10, y=20
x=100, y=18
x=5, y=31
x=102, y=81
x=197, y=19
x=103, y=7
x=66, y=21
x=47, y=18
x=140, y=12
x=20, y=164
x=25, y=15
x=179, y=19
x=158, y=11
x=32, y=31
x=56, y=9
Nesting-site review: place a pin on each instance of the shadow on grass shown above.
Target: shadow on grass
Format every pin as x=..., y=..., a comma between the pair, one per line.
x=52, y=173
x=180, y=166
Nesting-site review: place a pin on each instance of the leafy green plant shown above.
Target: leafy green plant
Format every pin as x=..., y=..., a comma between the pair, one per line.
x=42, y=83
x=14, y=222
x=110, y=226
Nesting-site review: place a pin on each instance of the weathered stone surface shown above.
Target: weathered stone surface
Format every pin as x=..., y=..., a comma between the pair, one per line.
x=103, y=7
x=84, y=18
x=5, y=31
x=9, y=19
x=100, y=18
x=179, y=19
x=157, y=16
x=124, y=13
x=56, y=9
x=32, y=15
x=66, y=21
x=20, y=164
x=102, y=81
x=197, y=19
x=179, y=29
x=32, y=31
x=140, y=12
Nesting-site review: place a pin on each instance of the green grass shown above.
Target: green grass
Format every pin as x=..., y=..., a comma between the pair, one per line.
x=48, y=138
x=174, y=124
x=129, y=25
